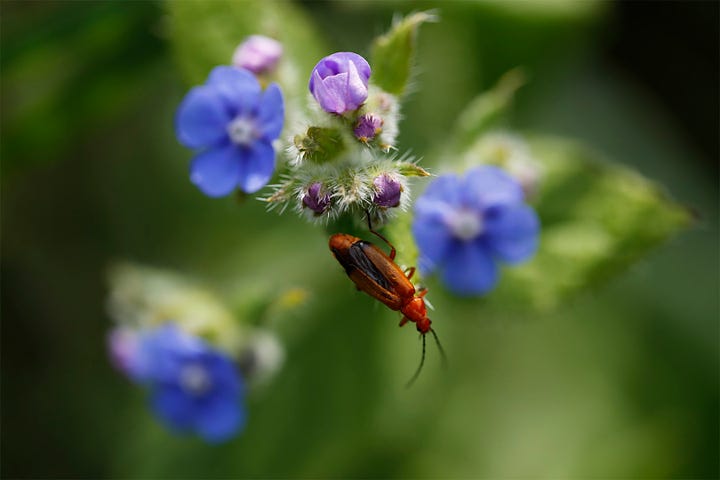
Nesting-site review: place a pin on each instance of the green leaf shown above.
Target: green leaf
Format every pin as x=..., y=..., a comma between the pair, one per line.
x=205, y=34
x=411, y=169
x=393, y=53
x=487, y=109
x=598, y=218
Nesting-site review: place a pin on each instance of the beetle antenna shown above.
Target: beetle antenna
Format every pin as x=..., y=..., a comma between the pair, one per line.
x=442, y=350
x=419, y=369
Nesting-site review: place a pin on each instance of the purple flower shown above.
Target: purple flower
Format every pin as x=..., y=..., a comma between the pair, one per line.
x=367, y=127
x=258, y=53
x=194, y=387
x=232, y=124
x=339, y=82
x=387, y=191
x=464, y=226
x=315, y=199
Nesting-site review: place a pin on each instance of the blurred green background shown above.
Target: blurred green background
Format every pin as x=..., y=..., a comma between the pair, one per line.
x=621, y=382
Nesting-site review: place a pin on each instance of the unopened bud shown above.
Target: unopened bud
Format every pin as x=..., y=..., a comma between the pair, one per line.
x=315, y=199
x=367, y=127
x=123, y=343
x=258, y=54
x=388, y=191
x=339, y=82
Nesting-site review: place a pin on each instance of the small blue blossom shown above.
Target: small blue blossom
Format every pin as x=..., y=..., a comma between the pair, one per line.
x=339, y=82
x=194, y=387
x=232, y=124
x=464, y=225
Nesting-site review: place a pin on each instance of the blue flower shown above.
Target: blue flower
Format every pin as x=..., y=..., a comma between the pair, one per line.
x=194, y=387
x=232, y=124
x=464, y=226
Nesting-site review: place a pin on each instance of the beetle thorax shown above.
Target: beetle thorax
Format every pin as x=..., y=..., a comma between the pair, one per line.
x=416, y=312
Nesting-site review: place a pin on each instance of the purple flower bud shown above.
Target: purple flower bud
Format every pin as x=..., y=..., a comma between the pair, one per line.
x=315, y=199
x=367, y=127
x=258, y=54
x=123, y=346
x=339, y=82
x=388, y=191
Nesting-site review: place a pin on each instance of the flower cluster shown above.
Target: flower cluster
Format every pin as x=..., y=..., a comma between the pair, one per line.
x=464, y=225
x=341, y=161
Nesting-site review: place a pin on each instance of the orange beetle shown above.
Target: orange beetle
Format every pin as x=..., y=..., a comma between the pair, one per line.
x=376, y=273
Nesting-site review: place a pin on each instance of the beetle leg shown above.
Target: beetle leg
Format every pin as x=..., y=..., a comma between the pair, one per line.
x=392, y=248
x=410, y=272
x=403, y=321
x=422, y=292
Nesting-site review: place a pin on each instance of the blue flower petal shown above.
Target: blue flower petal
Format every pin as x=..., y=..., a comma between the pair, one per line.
x=202, y=118
x=489, y=186
x=220, y=418
x=445, y=188
x=224, y=372
x=233, y=77
x=512, y=232
x=432, y=239
x=469, y=269
x=238, y=87
x=271, y=113
x=160, y=352
x=216, y=172
x=258, y=166
x=174, y=406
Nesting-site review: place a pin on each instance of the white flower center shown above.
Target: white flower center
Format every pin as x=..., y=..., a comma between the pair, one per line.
x=242, y=131
x=464, y=224
x=195, y=379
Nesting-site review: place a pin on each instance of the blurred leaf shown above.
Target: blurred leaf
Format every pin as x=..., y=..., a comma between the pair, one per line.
x=487, y=109
x=205, y=34
x=399, y=233
x=66, y=69
x=597, y=219
x=393, y=53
